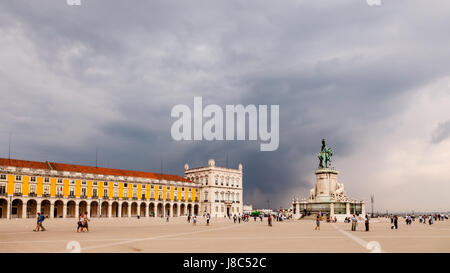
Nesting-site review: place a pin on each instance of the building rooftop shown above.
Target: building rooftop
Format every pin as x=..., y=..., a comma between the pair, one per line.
x=87, y=169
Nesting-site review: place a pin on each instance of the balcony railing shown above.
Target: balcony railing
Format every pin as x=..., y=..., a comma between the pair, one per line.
x=217, y=201
x=83, y=196
x=59, y=195
x=182, y=199
x=160, y=199
x=190, y=200
x=196, y=199
x=175, y=198
x=206, y=200
x=71, y=195
x=32, y=194
x=94, y=196
x=105, y=198
x=17, y=194
x=152, y=199
x=46, y=195
x=3, y=194
x=124, y=198
x=143, y=197
x=116, y=198
x=135, y=198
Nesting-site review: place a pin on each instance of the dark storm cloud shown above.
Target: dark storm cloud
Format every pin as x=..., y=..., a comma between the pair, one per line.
x=106, y=74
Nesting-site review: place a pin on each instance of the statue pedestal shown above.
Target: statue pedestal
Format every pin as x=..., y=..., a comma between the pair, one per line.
x=326, y=181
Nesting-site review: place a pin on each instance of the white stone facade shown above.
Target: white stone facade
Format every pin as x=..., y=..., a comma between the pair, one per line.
x=222, y=188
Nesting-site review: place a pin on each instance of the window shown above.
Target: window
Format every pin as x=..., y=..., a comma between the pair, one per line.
x=217, y=180
x=72, y=191
x=3, y=188
x=116, y=184
x=134, y=186
x=94, y=192
x=46, y=189
x=83, y=182
x=151, y=187
x=46, y=180
x=105, y=184
x=206, y=181
x=116, y=193
x=125, y=192
x=60, y=181
x=33, y=188
x=72, y=182
x=228, y=179
x=125, y=185
x=105, y=192
x=152, y=194
x=18, y=178
x=95, y=183
x=2, y=176
x=17, y=188
x=134, y=193
x=33, y=179
x=83, y=191
x=221, y=181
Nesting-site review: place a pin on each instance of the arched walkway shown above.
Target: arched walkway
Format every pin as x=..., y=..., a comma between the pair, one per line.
x=82, y=208
x=3, y=208
x=175, y=210
x=94, y=209
x=189, y=209
x=142, y=210
x=125, y=209
x=134, y=209
x=159, y=212
x=182, y=209
x=16, y=208
x=45, y=207
x=115, y=209
x=31, y=208
x=151, y=210
x=71, y=209
x=167, y=210
x=196, y=209
x=58, y=209
x=104, y=211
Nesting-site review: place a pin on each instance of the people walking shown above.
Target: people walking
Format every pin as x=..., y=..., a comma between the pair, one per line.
x=85, y=221
x=317, y=222
x=269, y=220
x=194, y=220
x=40, y=218
x=354, y=222
x=80, y=223
x=207, y=219
x=366, y=222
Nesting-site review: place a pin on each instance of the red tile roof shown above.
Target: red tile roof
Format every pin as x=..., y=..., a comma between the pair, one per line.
x=87, y=169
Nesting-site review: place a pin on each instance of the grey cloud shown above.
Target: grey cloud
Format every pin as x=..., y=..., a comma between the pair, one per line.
x=113, y=70
x=441, y=133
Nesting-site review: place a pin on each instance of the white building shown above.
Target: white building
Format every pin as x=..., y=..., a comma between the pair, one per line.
x=222, y=188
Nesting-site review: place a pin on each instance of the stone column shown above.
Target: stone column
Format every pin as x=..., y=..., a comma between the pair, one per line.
x=52, y=210
x=24, y=210
x=38, y=207
x=88, y=209
x=331, y=210
x=347, y=208
x=363, y=209
x=109, y=210
x=77, y=210
x=64, y=210
x=119, y=210
x=129, y=210
x=8, y=209
x=146, y=210
x=171, y=210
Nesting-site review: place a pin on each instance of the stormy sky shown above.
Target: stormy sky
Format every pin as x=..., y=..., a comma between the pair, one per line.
x=373, y=81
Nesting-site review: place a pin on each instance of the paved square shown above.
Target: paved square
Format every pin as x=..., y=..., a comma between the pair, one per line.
x=155, y=235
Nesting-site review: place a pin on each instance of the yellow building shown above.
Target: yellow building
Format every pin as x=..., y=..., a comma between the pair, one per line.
x=65, y=190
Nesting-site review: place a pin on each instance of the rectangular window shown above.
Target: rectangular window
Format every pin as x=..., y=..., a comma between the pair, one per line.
x=105, y=184
x=46, y=180
x=72, y=182
x=72, y=191
x=18, y=178
x=46, y=189
x=95, y=183
x=94, y=192
x=116, y=193
x=17, y=188
x=83, y=191
x=83, y=182
x=125, y=185
x=60, y=181
x=59, y=190
x=105, y=192
x=32, y=189
x=125, y=192
x=33, y=179
x=2, y=188
x=2, y=176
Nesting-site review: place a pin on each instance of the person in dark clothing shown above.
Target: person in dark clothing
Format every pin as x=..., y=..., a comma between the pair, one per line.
x=367, y=222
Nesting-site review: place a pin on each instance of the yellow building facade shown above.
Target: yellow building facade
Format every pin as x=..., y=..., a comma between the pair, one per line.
x=65, y=190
